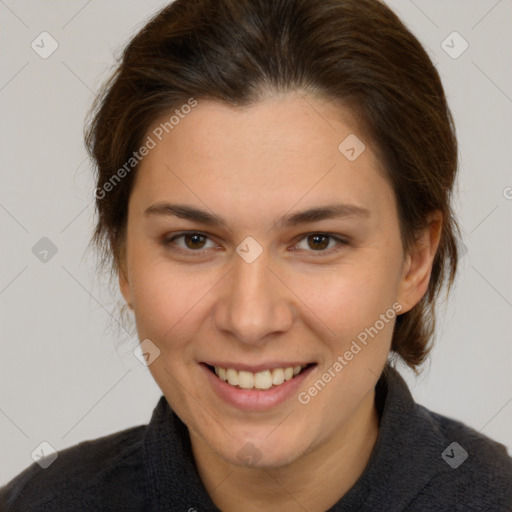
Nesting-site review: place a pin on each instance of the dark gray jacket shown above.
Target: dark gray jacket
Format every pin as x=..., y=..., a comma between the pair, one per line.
x=422, y=462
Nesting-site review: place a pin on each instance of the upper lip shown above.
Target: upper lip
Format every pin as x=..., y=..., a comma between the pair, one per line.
x=255, y=368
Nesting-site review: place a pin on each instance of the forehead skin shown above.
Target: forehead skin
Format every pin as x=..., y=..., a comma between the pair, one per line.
x=252, y=165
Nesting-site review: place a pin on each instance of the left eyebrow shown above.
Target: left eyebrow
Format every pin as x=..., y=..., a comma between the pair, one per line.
x=315, y=214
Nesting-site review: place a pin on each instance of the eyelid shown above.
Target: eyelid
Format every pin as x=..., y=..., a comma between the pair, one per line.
x=341, y=241
x=168, y=241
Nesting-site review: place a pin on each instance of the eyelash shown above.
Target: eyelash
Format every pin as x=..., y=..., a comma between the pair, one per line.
x=170, y=241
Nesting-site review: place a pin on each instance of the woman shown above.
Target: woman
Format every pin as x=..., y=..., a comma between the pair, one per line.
x=274, y=195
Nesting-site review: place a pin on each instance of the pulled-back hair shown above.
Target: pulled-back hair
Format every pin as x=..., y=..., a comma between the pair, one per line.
x=355, y=53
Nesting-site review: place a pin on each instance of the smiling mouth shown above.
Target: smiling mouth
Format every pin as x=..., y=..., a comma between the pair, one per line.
x=266, y=379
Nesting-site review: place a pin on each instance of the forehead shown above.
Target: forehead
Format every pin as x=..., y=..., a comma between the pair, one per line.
x=272, y=154
x=292, y=124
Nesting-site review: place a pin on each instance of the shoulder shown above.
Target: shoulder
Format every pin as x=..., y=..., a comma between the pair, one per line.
x=99, y=474
x=472, y=471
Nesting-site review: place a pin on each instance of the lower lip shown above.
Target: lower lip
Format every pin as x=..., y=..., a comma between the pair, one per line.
x=256, y=399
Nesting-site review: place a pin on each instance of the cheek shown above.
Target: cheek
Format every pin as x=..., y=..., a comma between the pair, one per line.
x=166, y=297
x=348, y=298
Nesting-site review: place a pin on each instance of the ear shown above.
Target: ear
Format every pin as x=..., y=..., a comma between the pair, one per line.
x=418, y=263
x=124, y=283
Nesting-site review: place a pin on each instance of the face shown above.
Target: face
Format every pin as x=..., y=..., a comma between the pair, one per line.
x=251, y=285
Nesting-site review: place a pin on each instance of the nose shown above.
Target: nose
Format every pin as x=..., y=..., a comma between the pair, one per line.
x=255, y=304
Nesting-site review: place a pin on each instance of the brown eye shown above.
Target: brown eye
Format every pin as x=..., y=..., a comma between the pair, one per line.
x=193, y=242
x=319, y=242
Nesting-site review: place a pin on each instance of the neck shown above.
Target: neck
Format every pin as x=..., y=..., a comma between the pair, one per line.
x=313, y=482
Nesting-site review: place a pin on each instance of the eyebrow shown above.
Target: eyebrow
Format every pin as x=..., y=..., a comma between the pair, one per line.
x=315, y=214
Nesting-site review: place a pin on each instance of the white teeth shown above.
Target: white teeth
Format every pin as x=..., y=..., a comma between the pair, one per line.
x=232, y=376
x=246, y=380
x=277, y=376
x=261, y=380
x=288, y=373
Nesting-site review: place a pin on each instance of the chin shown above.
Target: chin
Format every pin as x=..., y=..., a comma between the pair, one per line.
x=268, y=451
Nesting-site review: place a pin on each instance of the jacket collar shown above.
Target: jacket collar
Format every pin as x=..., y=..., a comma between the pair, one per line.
x=405, y=457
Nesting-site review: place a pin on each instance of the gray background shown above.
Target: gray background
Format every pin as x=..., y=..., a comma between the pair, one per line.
x=67, y=371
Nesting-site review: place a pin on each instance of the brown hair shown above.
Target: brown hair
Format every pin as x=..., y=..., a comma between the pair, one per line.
x=355, y=53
